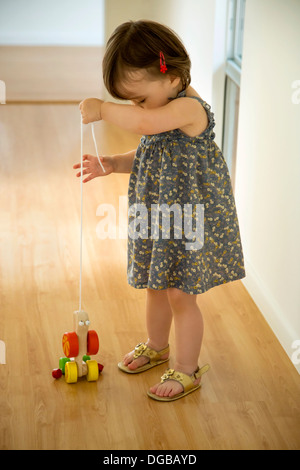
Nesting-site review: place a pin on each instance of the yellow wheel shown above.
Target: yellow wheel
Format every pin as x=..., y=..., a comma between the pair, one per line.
x=71, y=372
x=92, y=371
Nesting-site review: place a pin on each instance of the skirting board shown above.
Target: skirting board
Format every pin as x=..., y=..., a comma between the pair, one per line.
x=285, y=333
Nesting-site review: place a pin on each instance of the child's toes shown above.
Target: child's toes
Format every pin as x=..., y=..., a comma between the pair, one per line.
x=154, y=388
x=175, y=389
x=127, y=359
x=163, y=390
x=167, y=389
x=139, y=362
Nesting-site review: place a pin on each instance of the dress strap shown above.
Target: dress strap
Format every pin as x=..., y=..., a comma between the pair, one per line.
x=197, y=98
x=182, y=94
x=207, y=107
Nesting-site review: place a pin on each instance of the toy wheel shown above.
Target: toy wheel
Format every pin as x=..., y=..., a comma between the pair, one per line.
x=71, y=372
x=56, y=373
x=70, y=344
x=92, y=371
x=92, y=342
x=62, y=363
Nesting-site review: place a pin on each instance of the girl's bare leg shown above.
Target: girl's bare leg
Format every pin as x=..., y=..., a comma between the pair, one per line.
x=188, y=339
x=158, y=322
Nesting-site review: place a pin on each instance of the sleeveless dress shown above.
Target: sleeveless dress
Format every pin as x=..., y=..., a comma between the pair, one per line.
x=183, y=228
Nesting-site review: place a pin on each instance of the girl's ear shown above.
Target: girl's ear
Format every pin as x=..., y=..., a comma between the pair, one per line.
x=175, y=81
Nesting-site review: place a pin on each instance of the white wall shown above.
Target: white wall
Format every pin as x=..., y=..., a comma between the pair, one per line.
x=268, y=163
x=52, y=22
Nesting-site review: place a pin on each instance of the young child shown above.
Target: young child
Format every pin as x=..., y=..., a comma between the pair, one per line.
x=176, y=163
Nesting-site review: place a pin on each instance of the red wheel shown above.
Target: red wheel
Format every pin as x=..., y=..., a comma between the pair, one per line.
x=70, y=344
x=56, y=373
x=92, y=342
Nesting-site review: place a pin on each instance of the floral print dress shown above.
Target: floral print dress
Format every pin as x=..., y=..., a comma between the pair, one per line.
x=176, y=179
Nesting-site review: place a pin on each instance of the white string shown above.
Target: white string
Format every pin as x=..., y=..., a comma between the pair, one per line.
x=81, y=199
x=81, y=206
x=93, y=134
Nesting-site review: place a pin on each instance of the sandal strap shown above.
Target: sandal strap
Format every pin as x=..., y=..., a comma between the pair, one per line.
x=142, y=349
x=187, y=381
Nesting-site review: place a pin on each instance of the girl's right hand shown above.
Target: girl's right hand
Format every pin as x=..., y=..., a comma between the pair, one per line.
x=90, y=109
x=92, y=167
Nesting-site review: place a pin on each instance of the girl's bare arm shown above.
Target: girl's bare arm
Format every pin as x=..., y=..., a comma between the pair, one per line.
x=112, y=164
x=123, y=163
x=180, y=113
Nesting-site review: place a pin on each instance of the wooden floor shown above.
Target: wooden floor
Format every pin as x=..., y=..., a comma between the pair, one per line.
x=51, y=73
x=250, y=398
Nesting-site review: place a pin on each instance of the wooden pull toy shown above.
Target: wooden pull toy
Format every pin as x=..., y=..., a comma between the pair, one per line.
x=81, y=343
x=78, y=346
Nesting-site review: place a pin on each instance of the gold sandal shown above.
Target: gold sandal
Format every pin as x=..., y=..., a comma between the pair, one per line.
x=143, y=350
x=187, y=381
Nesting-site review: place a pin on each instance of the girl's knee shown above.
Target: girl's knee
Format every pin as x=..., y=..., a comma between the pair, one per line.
x=157, y=293
x=179, y=300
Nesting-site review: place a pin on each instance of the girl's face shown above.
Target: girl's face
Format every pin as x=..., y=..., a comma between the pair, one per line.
x=148, y=92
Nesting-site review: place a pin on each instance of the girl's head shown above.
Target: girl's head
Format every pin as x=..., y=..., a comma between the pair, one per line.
x=131, y=64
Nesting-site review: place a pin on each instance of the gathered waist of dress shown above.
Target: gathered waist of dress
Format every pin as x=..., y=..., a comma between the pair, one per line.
x=176, y=136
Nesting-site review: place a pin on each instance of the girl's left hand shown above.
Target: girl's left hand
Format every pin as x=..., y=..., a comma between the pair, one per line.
x=90, y=109
x=92, y=168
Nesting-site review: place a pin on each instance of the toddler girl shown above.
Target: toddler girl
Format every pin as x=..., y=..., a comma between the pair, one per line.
x=177, y=166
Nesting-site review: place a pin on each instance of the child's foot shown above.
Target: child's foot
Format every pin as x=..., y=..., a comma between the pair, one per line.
x=170, y=388
x=134, y=364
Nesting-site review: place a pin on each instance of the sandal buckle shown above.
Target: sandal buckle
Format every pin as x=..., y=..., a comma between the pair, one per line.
x=167, y=375
x=139, y=349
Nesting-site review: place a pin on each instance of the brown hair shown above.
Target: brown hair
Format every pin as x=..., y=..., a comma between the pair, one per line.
x=137, y=45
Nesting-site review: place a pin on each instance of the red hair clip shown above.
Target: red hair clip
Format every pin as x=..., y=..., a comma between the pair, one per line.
x=163, y=67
